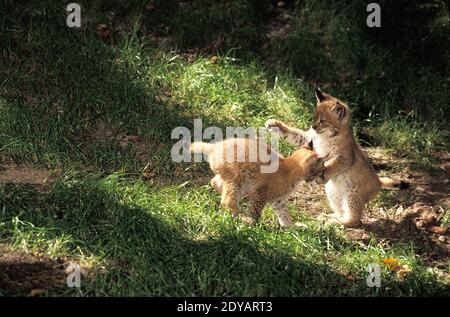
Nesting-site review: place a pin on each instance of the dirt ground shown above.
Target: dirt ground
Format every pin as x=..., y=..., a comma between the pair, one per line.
x=29, y=274
x=39, y=178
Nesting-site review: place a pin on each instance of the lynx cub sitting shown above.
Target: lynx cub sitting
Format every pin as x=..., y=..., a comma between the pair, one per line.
x=243, y=178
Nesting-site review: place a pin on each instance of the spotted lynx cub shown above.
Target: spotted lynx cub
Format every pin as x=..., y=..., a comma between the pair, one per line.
x=243, y=178
x=350, y=180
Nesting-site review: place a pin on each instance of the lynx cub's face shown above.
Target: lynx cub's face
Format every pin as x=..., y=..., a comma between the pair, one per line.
x=312, y=164
x=331, y=115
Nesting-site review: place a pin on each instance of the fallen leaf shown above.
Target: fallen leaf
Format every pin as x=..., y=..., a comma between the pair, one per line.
x=445, y=166
x=161, y=99
x=438, y=230
x=403, y=271
x=441, y=156
x=420, y=188
x=104, y=32
x=421, y=224
x=57, y=172
x=148, y=175
x=214, y=59
x=178, y=171
x=36, y=292
x=349, y=277
x=391, y=263
x=132, y=138
x=150, y=6
x=429, y=218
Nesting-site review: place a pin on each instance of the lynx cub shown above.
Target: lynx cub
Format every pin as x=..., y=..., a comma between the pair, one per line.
x=350, y=180
x=243, y=178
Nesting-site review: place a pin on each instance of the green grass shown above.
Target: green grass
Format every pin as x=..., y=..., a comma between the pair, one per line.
x=67, y=99
x=141, y=240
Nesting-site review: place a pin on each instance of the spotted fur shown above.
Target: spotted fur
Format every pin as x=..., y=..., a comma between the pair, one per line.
x=234, y=179
x=350, y=181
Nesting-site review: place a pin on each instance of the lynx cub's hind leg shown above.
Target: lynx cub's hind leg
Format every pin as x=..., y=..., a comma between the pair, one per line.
x=351, y=217
x=280, y=209
x=257, y=203
x=217, y=183
x=229, y=198
x=335, y=200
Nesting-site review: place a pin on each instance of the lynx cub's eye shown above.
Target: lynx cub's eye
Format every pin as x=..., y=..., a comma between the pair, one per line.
x=321, y=120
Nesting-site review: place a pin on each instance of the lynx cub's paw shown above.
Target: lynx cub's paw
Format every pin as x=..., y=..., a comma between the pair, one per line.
x=327, y=217
x=271, y=124
x=300, y=225
x=250, y=221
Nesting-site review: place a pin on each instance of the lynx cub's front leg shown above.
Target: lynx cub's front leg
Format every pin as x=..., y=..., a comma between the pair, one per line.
x=292, y=135
x=336, y=166
x=280, y=209
x=229, y=198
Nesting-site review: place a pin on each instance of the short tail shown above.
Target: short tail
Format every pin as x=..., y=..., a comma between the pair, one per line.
x=389, y=183
x=200, y=147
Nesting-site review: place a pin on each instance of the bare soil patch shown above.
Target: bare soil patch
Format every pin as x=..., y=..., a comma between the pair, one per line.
x=23, y=274
x=39, y=178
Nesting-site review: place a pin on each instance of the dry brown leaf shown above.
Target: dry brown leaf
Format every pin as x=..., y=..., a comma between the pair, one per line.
x=214, y=59
x=132, y=138
x=349, y=277
x=57, y=172
x=429, y=218
x=36, y=292
x=150, y=6
x=104, y=32
x=148, y=175
x=178, y=171
x=403, y=271
x=438, y=230
x=421, y=224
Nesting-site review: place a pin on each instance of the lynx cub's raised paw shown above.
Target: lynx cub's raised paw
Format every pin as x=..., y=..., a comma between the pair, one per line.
x=271, y=124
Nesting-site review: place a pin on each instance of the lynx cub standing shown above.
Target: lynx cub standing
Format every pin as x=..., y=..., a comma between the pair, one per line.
x=350, y=180
x=243, y=178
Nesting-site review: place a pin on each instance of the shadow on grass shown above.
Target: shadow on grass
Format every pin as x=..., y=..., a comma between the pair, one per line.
x=142, y=253
x=70, y=99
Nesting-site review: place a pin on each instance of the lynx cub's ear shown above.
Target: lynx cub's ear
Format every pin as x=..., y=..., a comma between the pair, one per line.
x=321, y=96
x=339, y=110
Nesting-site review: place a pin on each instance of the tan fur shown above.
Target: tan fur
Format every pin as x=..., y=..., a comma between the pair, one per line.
x=235, y=179
x=351, y=182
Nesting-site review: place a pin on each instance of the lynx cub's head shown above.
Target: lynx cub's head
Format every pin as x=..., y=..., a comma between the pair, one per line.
x=331, y=114
x=312, y=165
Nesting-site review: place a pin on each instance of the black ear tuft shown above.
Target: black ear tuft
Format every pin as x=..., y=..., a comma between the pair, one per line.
x=320, y=95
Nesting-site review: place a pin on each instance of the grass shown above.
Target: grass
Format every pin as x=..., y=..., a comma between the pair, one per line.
x=68, y=100
x=174, y=241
